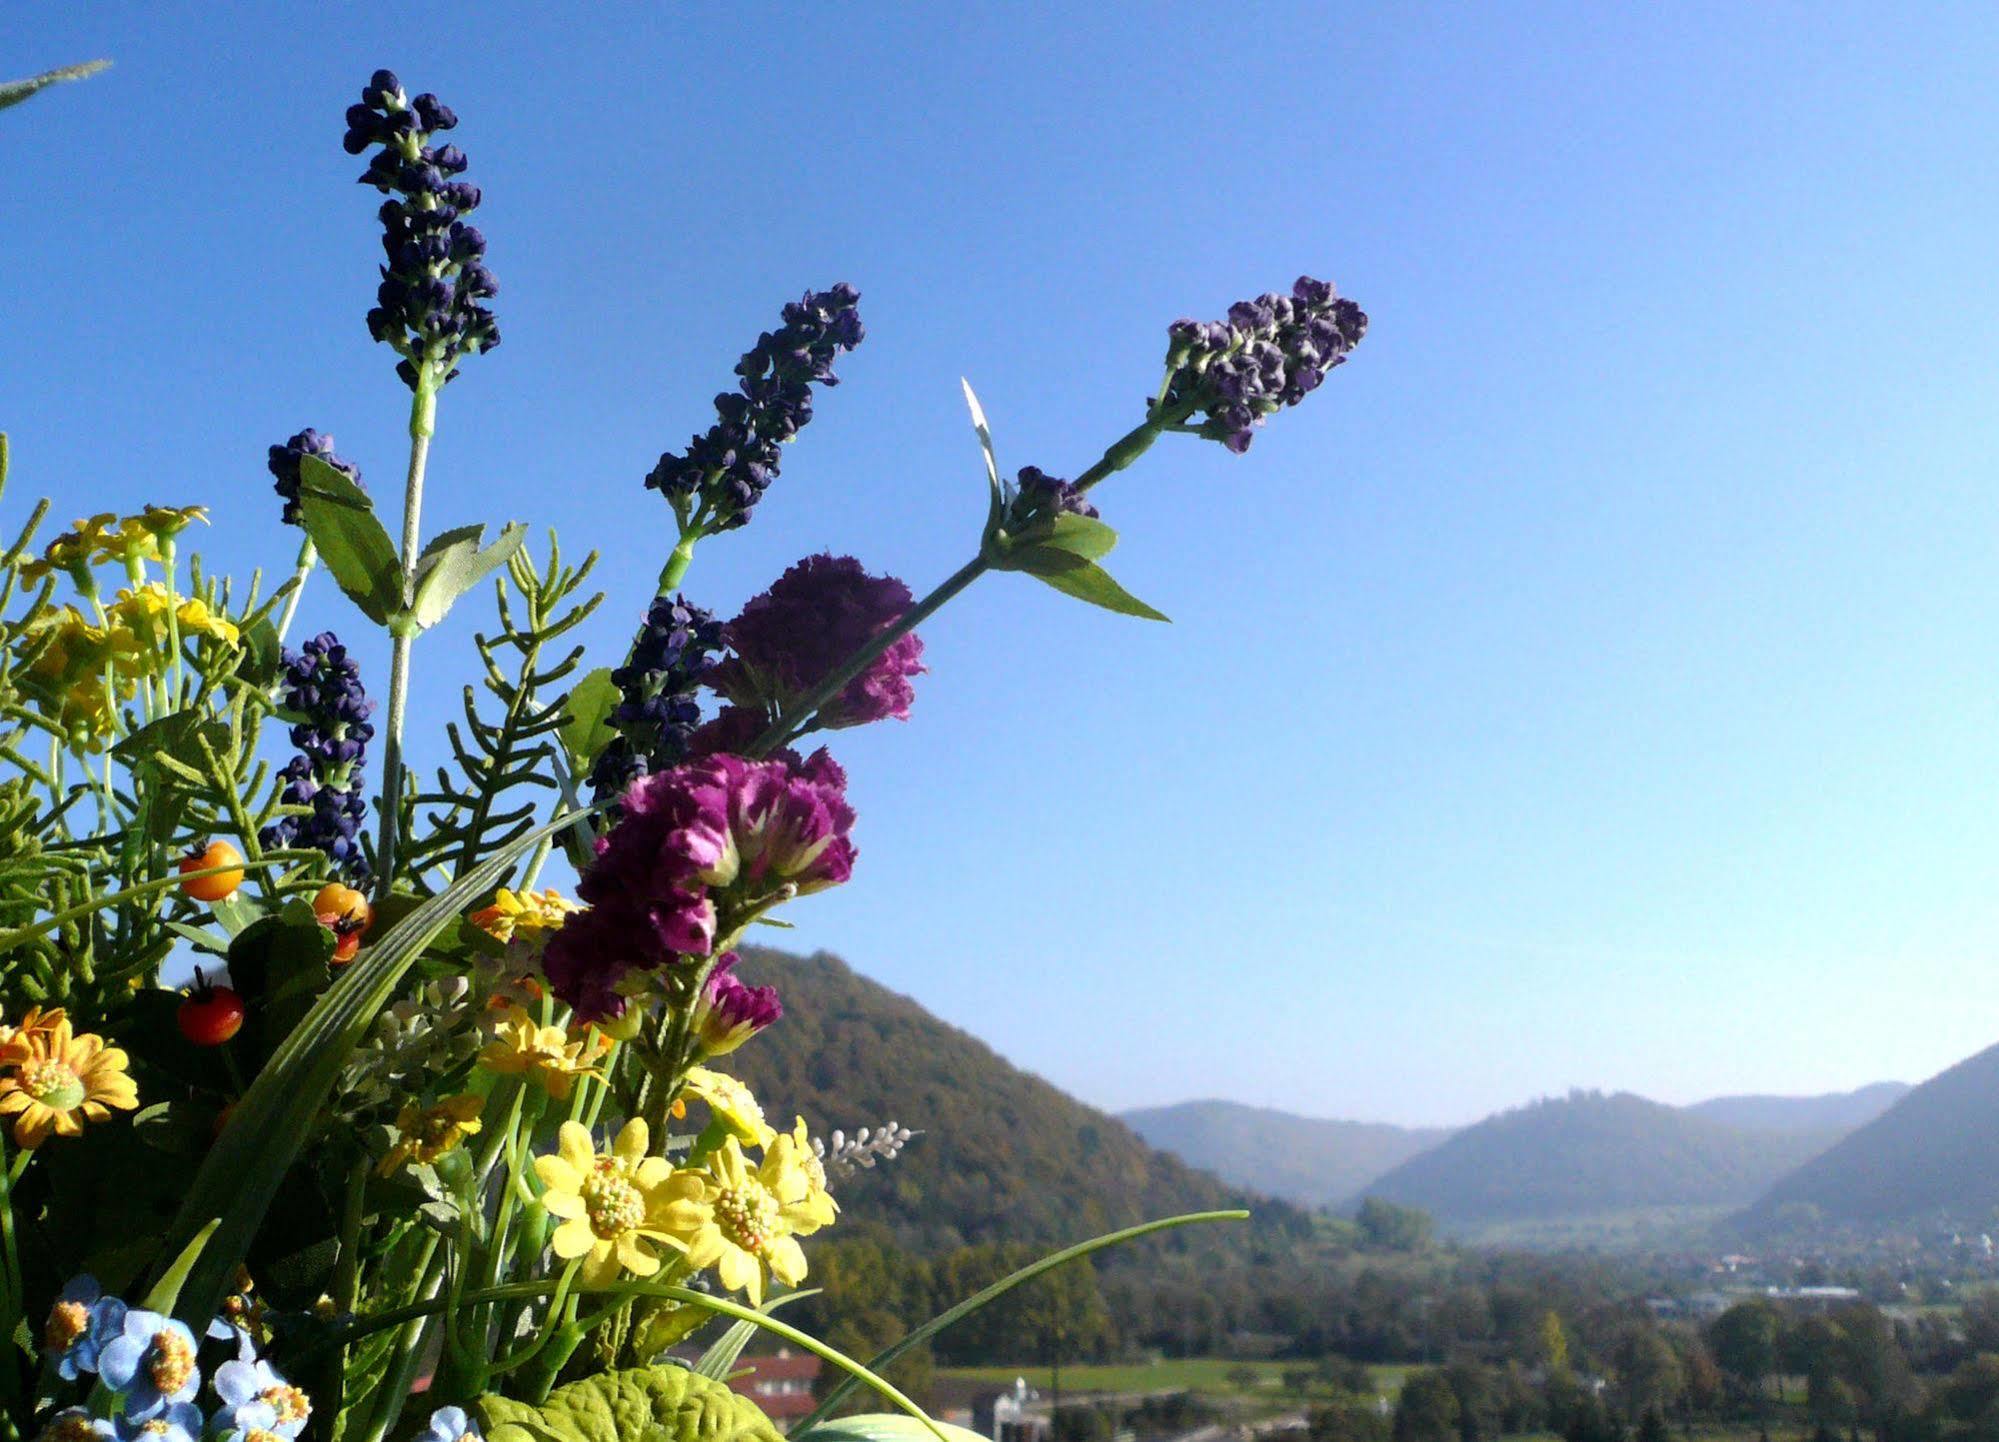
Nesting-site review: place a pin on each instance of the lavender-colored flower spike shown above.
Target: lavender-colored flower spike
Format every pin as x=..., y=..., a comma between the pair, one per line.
x=322, y=686
x=718, y=480
x=1270, y=353
x=658, y=710
x=429, y=307
x=284, y=464
x=844, y=1155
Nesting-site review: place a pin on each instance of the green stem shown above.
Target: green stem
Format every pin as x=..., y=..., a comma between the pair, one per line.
x=10, y=940
x=395, y=1384
x=675, y=569
x=308, y=557
x=10, y=1249
x=423, y=423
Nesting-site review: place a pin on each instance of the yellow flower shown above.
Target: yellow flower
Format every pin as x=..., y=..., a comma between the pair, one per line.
x=524, y=913
x=81, y=544
x=33, y=1021
x=80, y=672
x=611, y=1204
x=816, y=1208
x=132, y=542
x=425, y=1134
x=521, y=1047
x=731, y=1104
x=743, y=1222
x=59, y=1081
x=166, y=522
x=144, y=613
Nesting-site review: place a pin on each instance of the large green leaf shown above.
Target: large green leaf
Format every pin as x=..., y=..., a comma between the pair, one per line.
x=13, y=92
x=275, y=1116
x=586, y=720
x=640, y=1404
x=1082, y=578
x=342, y=523
x=454, y=563
x=1084, y=536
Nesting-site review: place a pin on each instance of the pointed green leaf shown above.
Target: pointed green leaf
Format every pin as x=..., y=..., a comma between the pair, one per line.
x=586, y=722
x=1082, y=578
x=996, y=510
x=883, y=1427
x=1084, y=536
x=720, y=1359
x=167, y=1290
x=454, y=563
x=13, y=92
x=341, y=521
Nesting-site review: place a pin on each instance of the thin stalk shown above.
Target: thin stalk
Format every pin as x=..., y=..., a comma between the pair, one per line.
x=308, y=557
x=423, y=423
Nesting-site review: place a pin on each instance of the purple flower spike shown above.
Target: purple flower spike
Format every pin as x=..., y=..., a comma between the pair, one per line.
x=729, y=1012
x=1270, y=353
x=285, y=466
x=816, y=615
x=322, y=687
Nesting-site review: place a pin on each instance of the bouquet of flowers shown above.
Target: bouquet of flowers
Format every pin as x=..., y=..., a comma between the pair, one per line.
x=324, y=1116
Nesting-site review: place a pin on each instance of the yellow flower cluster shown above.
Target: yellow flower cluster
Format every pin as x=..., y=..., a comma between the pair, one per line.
x=143, y=613
x=52, y=1081
x=524, y=914
x=423, y=1134
x=127, y=540
x=620, y=1209
x=80, y=671
x=546, y=1054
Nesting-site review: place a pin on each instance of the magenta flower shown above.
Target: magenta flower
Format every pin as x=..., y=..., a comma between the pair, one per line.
x=815, y=616
x=729, y=1012
x=700, y=850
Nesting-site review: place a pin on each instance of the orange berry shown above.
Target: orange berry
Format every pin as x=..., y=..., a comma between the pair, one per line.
x=345, y=912
x=222, y=885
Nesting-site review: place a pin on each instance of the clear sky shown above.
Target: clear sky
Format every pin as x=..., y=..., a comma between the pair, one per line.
x=1594, y=684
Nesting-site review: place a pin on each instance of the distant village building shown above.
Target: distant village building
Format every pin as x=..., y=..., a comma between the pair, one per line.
x=1004, y=1416
x=780, y=1382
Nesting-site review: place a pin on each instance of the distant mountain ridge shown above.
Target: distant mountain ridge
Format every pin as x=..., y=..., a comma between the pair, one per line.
x=1589, y=1154
x=1306, y=1160
x=1935, y=1152
x=1631, y=1153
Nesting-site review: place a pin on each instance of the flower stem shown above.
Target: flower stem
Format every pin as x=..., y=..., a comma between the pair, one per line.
x=308, y=557
x=423, y=423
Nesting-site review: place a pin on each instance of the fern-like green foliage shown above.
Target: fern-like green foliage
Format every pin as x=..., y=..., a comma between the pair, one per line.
x=501, y=762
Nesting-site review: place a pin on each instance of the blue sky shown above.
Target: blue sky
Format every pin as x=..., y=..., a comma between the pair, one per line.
x=1593, y=684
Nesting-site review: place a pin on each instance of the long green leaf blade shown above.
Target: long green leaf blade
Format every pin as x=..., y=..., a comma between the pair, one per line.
x=971, y=1304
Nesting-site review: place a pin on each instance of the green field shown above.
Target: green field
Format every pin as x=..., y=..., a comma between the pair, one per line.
x=1205, y=1375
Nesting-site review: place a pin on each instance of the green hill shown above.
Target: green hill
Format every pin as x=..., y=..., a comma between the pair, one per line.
x=1832, y=1115
x=1309, y=1160
x=1003, y=1155
x=1591, y=1155
x=1934, y=1153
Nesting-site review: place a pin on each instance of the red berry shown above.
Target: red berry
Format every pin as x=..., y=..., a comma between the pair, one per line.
x=211, y=1014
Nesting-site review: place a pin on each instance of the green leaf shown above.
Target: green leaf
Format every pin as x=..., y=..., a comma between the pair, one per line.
x=720, y=1359
x=883, y=1427
x=236, y=913
x=13, y=92
x=341, y=521
x=167, y=1290
x=917, y=1336
x=1084, y=536
x=454, y=563
x=262, y=656
x=638, y=1404
x=279, y=964
x=586, y=722
x=1082, y=578
x=242, y=1172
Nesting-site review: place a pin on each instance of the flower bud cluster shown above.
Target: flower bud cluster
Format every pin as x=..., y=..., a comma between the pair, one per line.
x=285, y=465
x=322, y=689
x=657, y=709
x=722, y=474
x=843, y=1155
x=429, y=306
x=1271, y=352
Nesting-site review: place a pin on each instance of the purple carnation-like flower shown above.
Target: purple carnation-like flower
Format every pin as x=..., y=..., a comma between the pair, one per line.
x=707, y=843
x=729, y=1012
x=1270, y=353
x=815, y=616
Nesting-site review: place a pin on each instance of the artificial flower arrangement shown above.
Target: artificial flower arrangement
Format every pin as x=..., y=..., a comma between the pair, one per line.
x=427, y=1148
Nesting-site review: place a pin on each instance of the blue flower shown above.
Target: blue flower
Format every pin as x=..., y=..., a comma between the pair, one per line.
x=74, y=1424
x=255, y=1396
x=152, y=1362
x=82, y=1320
x=177, y=1422
x=449, y=1424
